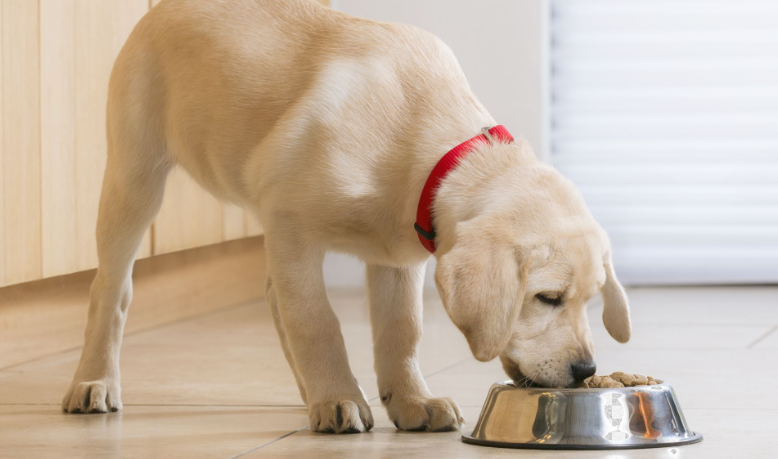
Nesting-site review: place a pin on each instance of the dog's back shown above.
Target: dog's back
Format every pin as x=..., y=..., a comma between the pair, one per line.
x=210, y=85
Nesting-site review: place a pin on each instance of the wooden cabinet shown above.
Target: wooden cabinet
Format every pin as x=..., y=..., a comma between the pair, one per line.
x=190, y=217
x=55, y=61
x=21, y=142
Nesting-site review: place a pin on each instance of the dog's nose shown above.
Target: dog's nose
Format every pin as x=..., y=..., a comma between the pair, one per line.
x=583, y=369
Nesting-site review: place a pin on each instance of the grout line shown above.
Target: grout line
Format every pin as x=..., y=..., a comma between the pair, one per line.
x=30, y=404
x=136, y=332
x=220, y=405
x=761, y=338
x=170, y=405
x=269, y=443
x=448, y=367
x=767, y=408
x=691, y=325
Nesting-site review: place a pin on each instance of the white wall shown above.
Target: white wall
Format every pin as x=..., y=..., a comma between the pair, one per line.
x=502, y=48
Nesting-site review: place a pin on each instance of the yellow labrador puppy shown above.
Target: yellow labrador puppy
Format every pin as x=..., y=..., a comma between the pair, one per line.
x=328, y=127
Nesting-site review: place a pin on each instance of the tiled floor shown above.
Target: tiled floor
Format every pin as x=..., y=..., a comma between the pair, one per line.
x=218, y=385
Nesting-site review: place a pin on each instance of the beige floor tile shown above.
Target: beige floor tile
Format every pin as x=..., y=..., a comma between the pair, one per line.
x=704, y=305
x=692, y=317
x=442, y=344
x=675, y=337
x=704, y=379
x=467, y=383
x=224, y=432
x=734, y=433
x=227, y=358
x=232, y=360
x=142, y=432
x=723, y=440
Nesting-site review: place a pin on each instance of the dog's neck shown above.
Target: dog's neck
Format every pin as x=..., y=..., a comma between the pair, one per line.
x=475, y=184
x=424, y=225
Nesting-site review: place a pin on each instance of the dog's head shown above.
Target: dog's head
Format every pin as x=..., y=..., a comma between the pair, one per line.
x=519, y=269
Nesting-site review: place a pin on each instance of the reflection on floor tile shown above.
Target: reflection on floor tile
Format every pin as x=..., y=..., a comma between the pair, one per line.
x=722, y=440
x=217, y=359
x=142, y=432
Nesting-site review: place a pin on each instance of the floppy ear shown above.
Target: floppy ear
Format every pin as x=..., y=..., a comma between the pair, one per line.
x=615, y=314
x=482, y=288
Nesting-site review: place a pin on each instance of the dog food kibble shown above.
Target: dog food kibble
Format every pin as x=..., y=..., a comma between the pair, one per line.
x=619, y=379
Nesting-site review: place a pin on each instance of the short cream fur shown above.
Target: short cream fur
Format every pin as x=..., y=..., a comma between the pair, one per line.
x=326, y=126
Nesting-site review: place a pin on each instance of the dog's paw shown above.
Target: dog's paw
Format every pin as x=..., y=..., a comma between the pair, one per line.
x=342, y=416
x=424, y=414
x=99, y=396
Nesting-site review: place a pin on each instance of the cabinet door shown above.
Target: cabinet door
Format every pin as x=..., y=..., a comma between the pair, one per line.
x=55, y=62
x=58, y=137
x=20, y=258
x=190, y=217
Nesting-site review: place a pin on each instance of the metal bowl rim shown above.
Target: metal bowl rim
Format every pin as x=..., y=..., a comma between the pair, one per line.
x=696, y=438
x=509, y=384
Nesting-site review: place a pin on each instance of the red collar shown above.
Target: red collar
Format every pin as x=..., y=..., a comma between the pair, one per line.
x=446, y=164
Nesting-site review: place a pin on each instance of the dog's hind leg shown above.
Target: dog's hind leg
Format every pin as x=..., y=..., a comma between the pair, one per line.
x=133, y=186
x=272, y=302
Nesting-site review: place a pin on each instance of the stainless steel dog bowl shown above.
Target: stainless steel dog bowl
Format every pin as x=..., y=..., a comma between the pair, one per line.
x=539, y=418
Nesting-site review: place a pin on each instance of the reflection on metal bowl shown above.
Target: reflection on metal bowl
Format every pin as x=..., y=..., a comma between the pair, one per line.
x=540, y=418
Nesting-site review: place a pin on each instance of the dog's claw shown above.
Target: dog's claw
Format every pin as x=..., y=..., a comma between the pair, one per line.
x=425, y=414
x=344, y=416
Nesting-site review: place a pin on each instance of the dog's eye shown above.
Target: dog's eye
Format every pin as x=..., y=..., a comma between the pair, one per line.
x=553, y=299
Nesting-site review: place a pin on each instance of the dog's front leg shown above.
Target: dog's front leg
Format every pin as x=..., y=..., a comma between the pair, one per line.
x=396, y=316
x=335, y=401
